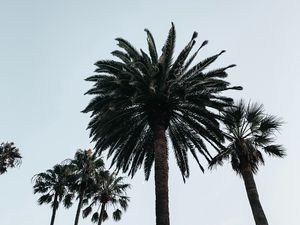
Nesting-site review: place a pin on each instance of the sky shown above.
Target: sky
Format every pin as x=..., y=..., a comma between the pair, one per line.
x=47, y=48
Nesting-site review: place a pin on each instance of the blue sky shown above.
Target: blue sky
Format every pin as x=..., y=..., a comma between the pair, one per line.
x=47, y=48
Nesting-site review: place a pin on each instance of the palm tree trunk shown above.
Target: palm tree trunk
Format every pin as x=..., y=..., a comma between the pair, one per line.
x=79, y=208
x=55, y=205
x=257, y=210
x=101, y=214
x=161, y=176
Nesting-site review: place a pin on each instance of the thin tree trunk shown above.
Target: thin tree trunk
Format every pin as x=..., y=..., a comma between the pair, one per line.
x=161, y=176
x=54, y=209
x=79, y=208
x=257, y=210
x=101, y=214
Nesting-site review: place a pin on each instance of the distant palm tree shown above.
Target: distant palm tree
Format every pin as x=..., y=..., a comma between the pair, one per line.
x=84, y=167
x=249, y=131
x=9, y=156
x=141, y=98
x=53, y=184
x=109, y=190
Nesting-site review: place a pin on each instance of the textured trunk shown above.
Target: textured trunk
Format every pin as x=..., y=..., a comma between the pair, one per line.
x=161, y=176
x=101, y=214
x=79, y=208
x=257, y=210
x=54, y=209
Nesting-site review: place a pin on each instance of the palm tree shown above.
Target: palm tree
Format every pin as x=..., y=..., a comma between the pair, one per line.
x=108, y=190
x=250, y=132
x=53, y=184
x=140, y=98
x=84, y=167
x=9, y=156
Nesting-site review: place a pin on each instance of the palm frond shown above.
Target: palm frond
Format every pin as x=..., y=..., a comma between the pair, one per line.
x=131, y=51
x=191, y=59
x=151, y=47
x=275, y=150
x=117, y=214
x=165, y=60
x=47, y=198
x=86, y=212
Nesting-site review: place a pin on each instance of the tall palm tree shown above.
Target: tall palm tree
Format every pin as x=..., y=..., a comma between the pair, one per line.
x=140, y=98
x=250, y=131
x=84, y=167
x=9, y=156
x=53, y=184
x=108, y=190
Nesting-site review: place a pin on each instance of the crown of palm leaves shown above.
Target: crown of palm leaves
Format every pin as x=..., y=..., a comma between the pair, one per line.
x=249, y=131
x=140, y=91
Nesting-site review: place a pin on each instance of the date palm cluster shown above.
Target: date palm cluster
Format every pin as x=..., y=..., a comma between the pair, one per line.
x=85, y=179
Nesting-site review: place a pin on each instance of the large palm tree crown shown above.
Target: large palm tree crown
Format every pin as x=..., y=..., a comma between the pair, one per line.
x=250, y=132
x=140, y=92
x=9, y=156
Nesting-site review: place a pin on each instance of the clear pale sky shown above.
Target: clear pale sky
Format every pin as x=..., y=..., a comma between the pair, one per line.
x=47, y=48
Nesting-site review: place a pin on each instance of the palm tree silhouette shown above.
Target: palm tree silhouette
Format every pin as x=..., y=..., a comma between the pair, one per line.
x=53, y=185
x=141, y=98
x=108, y=190
x=84, y=167
x=9, y=156
x=249, y=132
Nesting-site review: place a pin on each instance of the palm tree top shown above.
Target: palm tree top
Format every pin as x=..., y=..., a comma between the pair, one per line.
x=250, y=131
x=84, y=166
x=9, y=156
x=109, y=190
x=53, y=182
x=141, y=92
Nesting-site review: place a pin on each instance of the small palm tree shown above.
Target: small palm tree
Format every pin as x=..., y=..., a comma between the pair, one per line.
x=9, y=156
x=141, y=98
x=249, y=131
x=53, y=185
x=84, y=167
x=109, y=190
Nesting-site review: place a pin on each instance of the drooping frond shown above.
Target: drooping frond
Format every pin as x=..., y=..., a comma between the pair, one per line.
x=86, y=212
x=275, y=150
x=131, y=51
x=95, y=217
x=220, y=158
x=47, y=198
x=121, y=55
x=117, y=214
